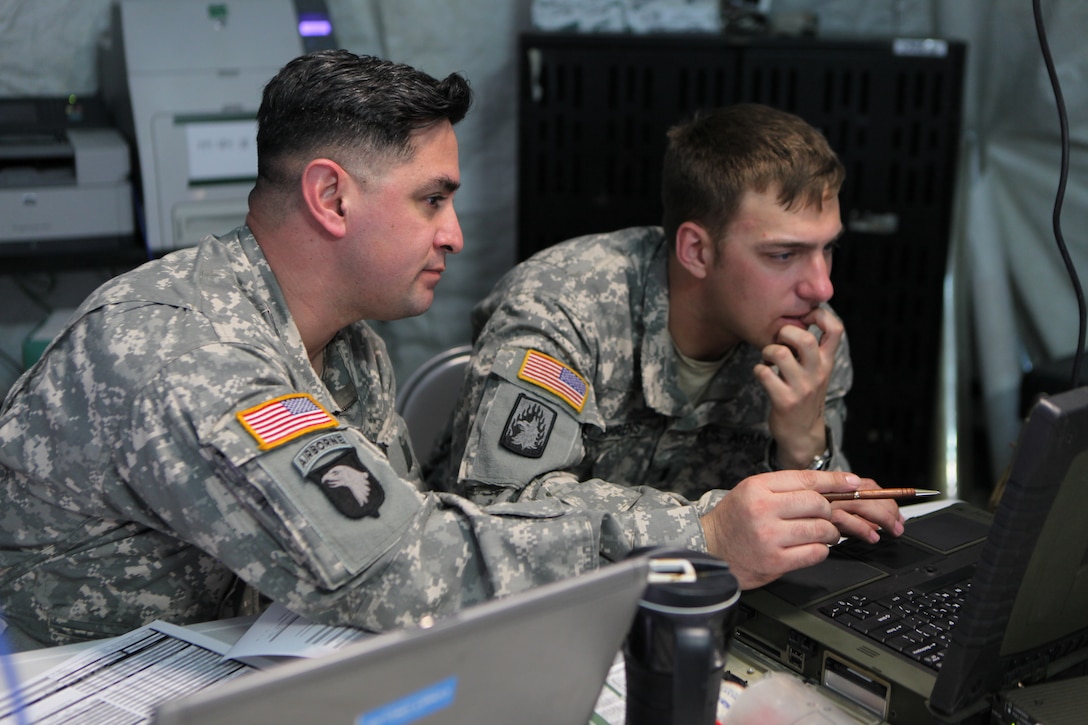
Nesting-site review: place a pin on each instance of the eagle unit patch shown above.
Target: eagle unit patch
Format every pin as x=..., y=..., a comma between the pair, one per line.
x=528, y=427
x=349, y=486
x=332, y=464
x=555, y=377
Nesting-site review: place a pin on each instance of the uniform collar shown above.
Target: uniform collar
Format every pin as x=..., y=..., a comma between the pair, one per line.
x=258, y=282
x=659, y=375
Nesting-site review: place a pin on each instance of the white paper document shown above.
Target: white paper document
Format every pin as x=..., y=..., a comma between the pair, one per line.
x=123, y=679
x=282, y=633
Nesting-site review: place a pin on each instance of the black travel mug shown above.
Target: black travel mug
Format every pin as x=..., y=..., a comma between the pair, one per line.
x=675, y=651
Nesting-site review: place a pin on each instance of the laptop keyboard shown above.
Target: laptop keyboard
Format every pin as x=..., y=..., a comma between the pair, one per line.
x=914, y=623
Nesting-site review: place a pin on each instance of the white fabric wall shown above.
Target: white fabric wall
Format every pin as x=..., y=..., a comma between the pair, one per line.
x=1013, y=299
x=1022, y=308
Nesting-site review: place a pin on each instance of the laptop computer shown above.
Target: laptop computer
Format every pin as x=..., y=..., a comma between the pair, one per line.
x=538, y=656
x=848, y=622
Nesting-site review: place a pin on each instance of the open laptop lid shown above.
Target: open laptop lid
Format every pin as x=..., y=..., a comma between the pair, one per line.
x=1029, y=594
x=537, y=656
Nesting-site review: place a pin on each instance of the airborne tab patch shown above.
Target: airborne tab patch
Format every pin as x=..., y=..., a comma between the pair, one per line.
x=285, y=418
x=555, y=377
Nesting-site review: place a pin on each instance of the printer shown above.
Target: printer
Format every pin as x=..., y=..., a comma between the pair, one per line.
x=64, y=177
x=184, y=80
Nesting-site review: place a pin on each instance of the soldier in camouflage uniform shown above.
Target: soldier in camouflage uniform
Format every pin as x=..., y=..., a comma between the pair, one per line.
x=684, y=358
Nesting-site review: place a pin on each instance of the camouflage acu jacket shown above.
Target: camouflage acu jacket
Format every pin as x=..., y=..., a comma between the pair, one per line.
x=573, y=378
x=175, y=439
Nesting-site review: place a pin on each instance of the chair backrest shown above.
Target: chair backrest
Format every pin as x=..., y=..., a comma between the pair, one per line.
x=428, y=397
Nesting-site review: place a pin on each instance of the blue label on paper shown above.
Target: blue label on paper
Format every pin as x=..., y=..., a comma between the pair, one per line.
x=413, y=706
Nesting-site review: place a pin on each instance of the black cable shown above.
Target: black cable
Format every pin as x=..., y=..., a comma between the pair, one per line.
x=1062, y=177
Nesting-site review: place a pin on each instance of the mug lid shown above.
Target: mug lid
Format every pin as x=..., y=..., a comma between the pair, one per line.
x=689, y=579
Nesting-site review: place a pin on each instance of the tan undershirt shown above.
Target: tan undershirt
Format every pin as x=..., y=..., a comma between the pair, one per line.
x=694, y=375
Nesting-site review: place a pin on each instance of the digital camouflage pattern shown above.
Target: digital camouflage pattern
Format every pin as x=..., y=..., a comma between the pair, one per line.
x=598, y=306
x=174, y=440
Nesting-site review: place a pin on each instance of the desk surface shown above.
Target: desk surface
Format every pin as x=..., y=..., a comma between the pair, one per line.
x=743, y=662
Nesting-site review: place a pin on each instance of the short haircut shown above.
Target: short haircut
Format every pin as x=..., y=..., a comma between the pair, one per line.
x=712, y=159
x=339, y=105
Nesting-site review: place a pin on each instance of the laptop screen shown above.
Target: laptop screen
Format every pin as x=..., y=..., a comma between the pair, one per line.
x=546, y=650
x=1029, y=594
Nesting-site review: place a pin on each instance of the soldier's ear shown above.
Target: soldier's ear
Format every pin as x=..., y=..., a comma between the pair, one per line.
x=323, y=185
x=694, y=249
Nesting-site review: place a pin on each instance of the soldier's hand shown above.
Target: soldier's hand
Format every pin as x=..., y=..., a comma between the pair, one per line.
x=773, y=523
x=795, y=372
x=863, y=518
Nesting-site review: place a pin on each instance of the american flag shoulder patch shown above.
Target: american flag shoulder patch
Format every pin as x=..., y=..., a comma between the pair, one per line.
x=555, y=377
x=285, y=418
